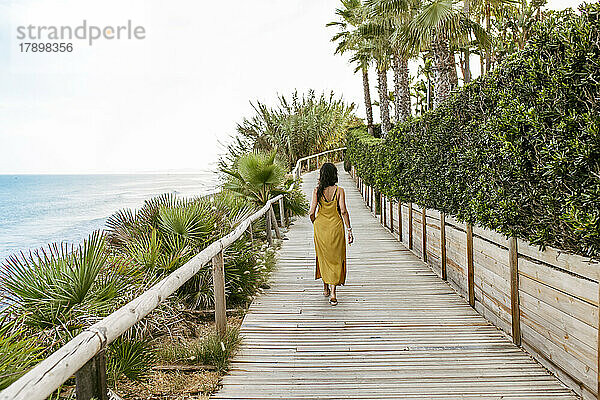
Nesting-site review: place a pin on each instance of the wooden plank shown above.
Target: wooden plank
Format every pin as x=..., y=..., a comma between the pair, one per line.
x=281, y=212
x=391, y=216
x=443, y=245
x=410, y=225
x=218, y=272
x=514, y=291
x=578, y=287
x=416, y=339
x=400, y=224
x=274, y=223
x=470, y=267
x=268, y=229
x=424, y=234
x=570, y=262
x=90, y=380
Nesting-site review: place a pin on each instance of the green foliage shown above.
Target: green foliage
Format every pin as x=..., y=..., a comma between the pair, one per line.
x=517, y=151
x=17, y=351
x=258, y=177
x=296, y=127
x=212, y=350
x=130, y=358
x=206, y=350
x=255, y=176
x=168, y=231
x=63, y=287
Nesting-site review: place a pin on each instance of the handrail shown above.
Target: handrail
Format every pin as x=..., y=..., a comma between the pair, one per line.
x=296, y=170
x=43, y=379
x=49, y=374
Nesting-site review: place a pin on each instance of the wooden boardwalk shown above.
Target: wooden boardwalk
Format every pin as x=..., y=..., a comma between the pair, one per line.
x=399, y=332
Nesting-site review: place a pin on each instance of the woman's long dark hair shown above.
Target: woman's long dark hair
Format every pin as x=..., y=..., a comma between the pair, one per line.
x=328, y=177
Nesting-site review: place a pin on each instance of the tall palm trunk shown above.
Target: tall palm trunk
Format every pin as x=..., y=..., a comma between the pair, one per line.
x=384, y=105
x=401, y=88
x=444, y=70
x=467, y=71
x=368, y=104
x=488, y=57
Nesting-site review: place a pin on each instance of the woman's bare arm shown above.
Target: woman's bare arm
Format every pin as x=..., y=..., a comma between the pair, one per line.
x=345, y=214
x=313, y=206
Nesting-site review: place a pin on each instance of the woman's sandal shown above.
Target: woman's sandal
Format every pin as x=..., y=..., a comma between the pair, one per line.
x=327, y=293
x=333, y=301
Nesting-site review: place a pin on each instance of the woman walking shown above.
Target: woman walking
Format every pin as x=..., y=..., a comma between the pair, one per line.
x=330, y=244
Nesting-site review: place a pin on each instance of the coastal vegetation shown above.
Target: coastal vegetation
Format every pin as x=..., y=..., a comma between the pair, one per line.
x=297, y=126
x=517, y=150
x=52, y=294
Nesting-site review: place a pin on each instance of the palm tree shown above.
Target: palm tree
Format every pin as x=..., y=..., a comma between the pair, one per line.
x=351, y=17
x=439, y=25
x=394, y=16
x=378, y=37
x=382, y=58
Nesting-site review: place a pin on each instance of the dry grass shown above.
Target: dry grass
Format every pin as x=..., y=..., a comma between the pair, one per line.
x=171, y=350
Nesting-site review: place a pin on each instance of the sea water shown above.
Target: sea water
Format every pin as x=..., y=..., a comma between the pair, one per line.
x=39, y=209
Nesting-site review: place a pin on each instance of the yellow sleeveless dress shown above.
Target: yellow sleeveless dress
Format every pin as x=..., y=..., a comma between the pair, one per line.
x=330, y=243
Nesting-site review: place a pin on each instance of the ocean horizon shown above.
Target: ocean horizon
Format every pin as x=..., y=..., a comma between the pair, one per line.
x=36, y=210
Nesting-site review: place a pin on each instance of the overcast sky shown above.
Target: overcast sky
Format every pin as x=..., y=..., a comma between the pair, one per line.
x=165, y=102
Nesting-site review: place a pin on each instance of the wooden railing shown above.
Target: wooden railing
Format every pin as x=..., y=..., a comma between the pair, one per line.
x=545, y=300
x=84, y=354
x=84, y=357
x=298, y=168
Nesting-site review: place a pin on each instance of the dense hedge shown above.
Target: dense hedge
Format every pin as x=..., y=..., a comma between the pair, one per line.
x=517, y=151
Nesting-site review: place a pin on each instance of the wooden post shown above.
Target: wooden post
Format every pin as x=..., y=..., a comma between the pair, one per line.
x=218, y=265
x=251, y=233
x=268, y=228
x=410, y=227
x=281, y=212
x=372, y=197
x=90, y=380
x=424, y=232
x=380, y=208
x=400, y=238
x=514, y=290
x=274, y=222
x=392, y=216
x=470, y=269
x=443, y=244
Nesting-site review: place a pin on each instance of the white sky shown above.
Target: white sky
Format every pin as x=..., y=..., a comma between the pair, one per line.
x=164, y=103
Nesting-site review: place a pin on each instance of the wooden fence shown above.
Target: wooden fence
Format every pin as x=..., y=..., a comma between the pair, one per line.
x=84, y=355
x=546, y=301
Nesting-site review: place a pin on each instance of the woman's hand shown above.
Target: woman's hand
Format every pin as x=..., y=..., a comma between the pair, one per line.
x=350, y=237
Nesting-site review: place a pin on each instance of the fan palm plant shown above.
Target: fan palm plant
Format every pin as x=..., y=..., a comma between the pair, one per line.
x=351, y=16
x=64, y=287
x=256, y=176
x=17, y=351
x=439, y=24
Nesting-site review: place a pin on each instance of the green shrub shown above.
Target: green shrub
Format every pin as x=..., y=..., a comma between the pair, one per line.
x=212, y=350
x=18, y=352
x=517, y=151
x=129, y=357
